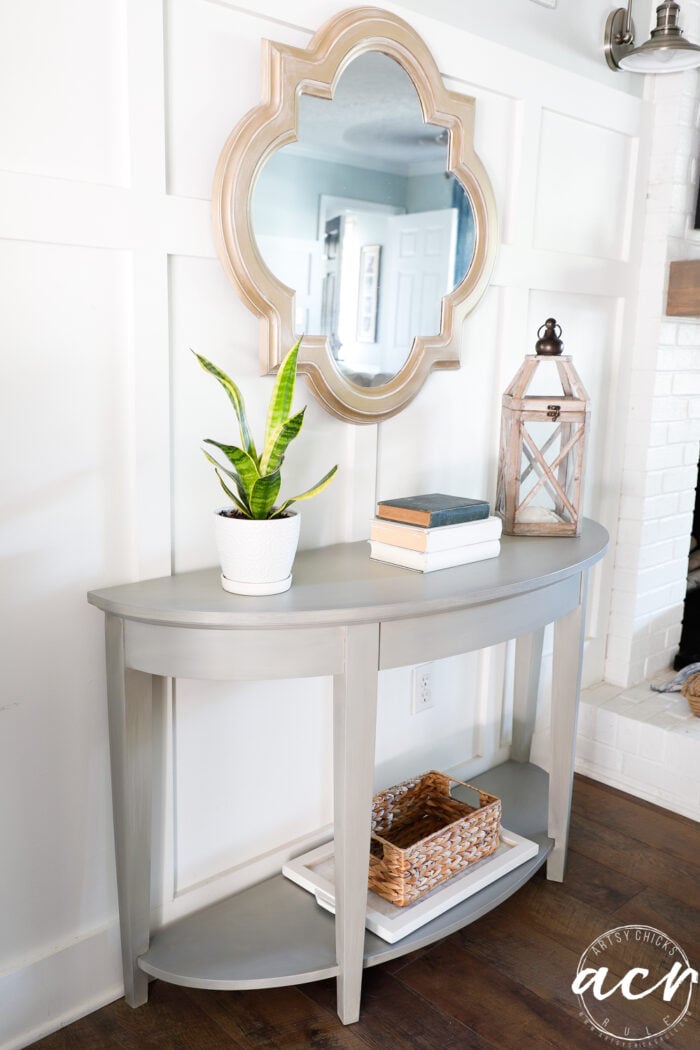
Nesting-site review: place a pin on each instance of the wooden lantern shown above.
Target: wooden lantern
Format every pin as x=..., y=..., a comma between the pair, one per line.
x=543, y=439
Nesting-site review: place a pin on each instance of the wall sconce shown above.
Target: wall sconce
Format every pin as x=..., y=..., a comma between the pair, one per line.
x=666, y=51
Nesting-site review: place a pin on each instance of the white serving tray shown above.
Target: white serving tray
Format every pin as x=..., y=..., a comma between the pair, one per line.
x=315, y=872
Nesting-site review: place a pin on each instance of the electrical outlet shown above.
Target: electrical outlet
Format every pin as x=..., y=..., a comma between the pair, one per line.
x=422, y=692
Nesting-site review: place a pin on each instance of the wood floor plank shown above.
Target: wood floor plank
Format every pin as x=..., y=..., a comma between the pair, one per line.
x=394, y=1016
x=596, y=884
x=276, y=1019
x=511, y=948
x=674, y=918
x=174, y=1022
x=626, y=854
x=659, y=828
x=615, y=796
x=502, y=1012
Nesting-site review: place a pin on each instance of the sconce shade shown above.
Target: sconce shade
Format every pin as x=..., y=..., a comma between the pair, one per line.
x=541, y=459
x=666, y=51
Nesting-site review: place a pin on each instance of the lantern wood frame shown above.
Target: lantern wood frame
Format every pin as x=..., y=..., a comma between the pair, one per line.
x=563, y=477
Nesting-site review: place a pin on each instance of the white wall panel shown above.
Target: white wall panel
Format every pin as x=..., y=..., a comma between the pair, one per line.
x=63, y=112
x=64, y=527
x=442, y=737
x=253, y=770
x=582, y=199
x=497, y=132
x=205, y=316
x=213, y=79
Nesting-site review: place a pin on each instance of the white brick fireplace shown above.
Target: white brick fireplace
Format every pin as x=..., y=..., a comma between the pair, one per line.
x=663, y=425
x=629, y=736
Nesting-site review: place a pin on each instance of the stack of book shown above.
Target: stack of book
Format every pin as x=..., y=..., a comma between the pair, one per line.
x=434, y=531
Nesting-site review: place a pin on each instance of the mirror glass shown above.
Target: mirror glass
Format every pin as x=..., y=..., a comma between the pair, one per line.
x=361, y=218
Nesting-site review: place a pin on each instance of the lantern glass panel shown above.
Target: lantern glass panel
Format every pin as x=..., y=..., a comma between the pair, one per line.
x=547, y=471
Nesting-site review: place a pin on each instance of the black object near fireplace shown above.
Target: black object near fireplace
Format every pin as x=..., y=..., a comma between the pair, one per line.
x=689, y=646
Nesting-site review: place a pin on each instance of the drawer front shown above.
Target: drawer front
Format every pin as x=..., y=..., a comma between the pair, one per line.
x=421, y=638
x=248, y=655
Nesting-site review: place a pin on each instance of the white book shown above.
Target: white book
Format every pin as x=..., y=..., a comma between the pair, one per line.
x=417, y=538
x=427, y=561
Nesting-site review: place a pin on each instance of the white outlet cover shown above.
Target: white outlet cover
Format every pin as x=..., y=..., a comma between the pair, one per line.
x=419, y=704
x=545, y=3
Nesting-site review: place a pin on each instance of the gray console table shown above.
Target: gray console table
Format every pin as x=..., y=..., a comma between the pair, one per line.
x=348, y=617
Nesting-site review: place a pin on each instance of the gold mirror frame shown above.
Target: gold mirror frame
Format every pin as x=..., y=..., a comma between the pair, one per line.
x=286, y=73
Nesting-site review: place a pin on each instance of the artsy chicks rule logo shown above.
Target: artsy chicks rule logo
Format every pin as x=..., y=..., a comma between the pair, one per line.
x=634, y=985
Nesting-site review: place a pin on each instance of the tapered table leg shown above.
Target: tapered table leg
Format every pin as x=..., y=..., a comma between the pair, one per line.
x=566, y=687
x=528, y=659
x=354, y=729
x=129, y=701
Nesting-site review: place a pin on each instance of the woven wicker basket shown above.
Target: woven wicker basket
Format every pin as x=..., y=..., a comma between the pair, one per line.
x=691, y=691
x=421, y=836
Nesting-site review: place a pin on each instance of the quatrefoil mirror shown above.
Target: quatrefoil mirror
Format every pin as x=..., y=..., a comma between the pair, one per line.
x=351, y=209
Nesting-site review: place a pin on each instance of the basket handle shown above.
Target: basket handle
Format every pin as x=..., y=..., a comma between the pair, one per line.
x=484, y=796
x=376, y=857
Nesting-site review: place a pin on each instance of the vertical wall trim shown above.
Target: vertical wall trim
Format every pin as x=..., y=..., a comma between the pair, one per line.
x=150, y=338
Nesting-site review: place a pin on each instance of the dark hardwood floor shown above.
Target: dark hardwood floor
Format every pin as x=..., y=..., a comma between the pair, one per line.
x=503, y=983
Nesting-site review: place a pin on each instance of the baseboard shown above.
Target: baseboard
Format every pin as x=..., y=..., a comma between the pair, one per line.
x=51, y=992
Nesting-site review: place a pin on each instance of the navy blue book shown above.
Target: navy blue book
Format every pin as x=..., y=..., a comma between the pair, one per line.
x=432, y=510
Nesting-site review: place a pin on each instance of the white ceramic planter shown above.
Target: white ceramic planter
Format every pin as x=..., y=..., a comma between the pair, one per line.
x=256, y=557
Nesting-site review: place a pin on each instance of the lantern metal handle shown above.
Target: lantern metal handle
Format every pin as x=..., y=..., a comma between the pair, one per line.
x=549, y=344
x=556, y=325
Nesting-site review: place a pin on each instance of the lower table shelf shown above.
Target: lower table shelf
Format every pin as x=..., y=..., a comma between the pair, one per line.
x=275, y=933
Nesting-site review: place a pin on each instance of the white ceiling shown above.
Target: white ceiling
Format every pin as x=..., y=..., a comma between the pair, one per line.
x=373, y=121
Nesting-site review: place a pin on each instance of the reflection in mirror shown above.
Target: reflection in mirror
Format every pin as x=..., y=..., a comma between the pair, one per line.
x=362, y=219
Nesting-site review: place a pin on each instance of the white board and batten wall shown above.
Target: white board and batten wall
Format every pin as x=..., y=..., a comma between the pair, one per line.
x=116, y=116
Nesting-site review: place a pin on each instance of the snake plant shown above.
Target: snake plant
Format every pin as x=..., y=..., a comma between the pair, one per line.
x=256, y=476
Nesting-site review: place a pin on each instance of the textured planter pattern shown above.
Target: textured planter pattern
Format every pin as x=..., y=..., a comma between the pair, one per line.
x=257, y=552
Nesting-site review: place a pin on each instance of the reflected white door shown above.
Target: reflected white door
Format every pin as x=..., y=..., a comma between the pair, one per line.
x=418, y=271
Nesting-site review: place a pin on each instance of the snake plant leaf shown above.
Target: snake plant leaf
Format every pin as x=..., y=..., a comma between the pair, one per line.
x=237, y=503
x=231, y=473
x=282, y=393
x=244, y=465
x=236, y=399
x=256, y=479
x=263, y=495
x=325, y=480
x=273, y=453
x=243, y=495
